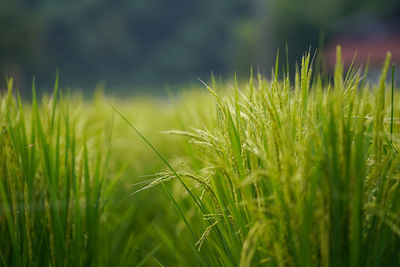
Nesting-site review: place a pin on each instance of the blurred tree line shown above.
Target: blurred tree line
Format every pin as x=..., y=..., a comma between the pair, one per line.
x=149, y=43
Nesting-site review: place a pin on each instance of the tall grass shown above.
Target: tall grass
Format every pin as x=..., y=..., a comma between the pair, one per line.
x=281, y=172
x=301, y=176
x=64, y=159
x=50, y=184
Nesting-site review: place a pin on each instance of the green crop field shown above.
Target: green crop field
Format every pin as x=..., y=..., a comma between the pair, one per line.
x=291, y=171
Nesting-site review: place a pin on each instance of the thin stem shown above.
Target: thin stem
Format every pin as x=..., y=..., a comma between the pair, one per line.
x=391, y=115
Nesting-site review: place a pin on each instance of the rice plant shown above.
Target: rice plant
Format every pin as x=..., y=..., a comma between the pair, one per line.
x=290, y=171
x=297, y=176
x=51, y=183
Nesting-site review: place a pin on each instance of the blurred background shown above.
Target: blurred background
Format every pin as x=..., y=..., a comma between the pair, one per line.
x=144, y=46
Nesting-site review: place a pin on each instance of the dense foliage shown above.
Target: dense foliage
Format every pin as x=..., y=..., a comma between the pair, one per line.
x=146, y=44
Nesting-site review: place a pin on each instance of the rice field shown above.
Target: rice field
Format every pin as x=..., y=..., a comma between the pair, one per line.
x=289, y=171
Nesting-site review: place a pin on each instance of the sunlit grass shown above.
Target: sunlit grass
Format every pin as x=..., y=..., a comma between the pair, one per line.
x=51, y=184
x=264, y=173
